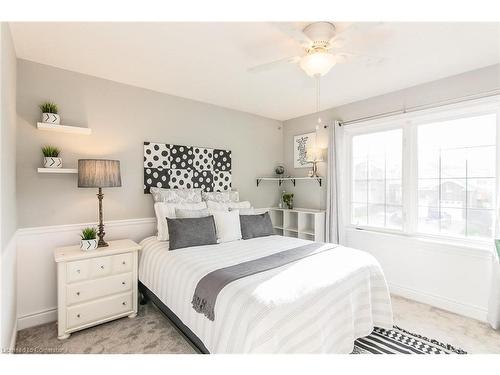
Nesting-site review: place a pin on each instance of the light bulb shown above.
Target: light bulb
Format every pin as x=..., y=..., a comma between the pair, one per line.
x=317, y=63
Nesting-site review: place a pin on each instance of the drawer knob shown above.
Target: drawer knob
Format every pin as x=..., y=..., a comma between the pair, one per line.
x=124, y=303
x=123, y=263
x=102, y=267
x=77, y=271
x=123, y=282
x=77, y=293
x=78, y=316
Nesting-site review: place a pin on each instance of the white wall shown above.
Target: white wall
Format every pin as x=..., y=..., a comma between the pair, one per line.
x=8, y=188
x=122, y=117
x=452, y=277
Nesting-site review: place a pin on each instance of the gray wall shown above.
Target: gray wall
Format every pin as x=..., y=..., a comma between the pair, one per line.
x=474, y=82
x=8, y=184
x=121, y=118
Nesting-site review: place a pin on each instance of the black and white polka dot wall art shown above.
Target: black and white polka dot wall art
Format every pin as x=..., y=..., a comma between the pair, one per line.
x=156, y=155
x=185, y=167
x=203, y=159
x=180, y=179
x=222, y=160
x=203, y=180
x=181, y=157
x=155, y=177
x=222, y=181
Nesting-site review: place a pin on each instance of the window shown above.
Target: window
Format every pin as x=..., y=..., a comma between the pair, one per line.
x=456, y=176
x=376, y=186
x=432, y=173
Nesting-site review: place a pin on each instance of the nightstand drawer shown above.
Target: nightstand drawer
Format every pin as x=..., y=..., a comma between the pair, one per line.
x=122, y=263
x=77, y=271
x=101, y=309
x=99, y=267
x=92, y=289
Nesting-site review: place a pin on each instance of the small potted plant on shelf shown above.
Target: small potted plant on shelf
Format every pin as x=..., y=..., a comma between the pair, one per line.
x=89, y=239
x=287, y=200
x=49, y=113
x=51, y=157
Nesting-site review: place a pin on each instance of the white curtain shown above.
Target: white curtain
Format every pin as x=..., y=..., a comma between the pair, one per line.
x=494, y=302
x=334, y=218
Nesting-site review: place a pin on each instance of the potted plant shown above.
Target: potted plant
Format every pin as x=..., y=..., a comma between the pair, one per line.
x=288, y=200
x=89, y=239
x=51, y=157
x=49, y=113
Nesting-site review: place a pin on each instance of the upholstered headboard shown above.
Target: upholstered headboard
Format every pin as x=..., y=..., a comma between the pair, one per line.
x=186, y=167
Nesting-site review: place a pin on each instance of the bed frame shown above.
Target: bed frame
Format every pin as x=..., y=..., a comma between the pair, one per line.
x=193, y=340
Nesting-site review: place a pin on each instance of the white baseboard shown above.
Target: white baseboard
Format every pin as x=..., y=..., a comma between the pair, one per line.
x=444, y=303
x=36, y=319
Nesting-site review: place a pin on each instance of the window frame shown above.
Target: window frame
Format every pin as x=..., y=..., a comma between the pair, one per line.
x=409, y=123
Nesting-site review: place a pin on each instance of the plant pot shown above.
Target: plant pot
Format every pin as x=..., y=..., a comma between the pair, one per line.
x=87, y=245
x=51, y=118
x=51, y=162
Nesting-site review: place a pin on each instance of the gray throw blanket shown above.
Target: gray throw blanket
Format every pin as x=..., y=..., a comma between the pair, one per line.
x=208, y=288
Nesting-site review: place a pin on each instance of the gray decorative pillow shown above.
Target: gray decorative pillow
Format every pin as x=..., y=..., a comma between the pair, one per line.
x=176, y=195
x=253, y=226
x=191, y=232
x=221, y=196
x=182, y=213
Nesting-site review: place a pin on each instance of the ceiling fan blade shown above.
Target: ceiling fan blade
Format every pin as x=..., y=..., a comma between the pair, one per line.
x=274, y=64
x=293, y=32
x=369, y=60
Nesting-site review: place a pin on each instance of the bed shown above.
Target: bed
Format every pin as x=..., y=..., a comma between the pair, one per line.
x=318, y=304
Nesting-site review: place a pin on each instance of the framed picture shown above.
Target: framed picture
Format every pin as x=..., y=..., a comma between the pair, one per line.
x=300, y=145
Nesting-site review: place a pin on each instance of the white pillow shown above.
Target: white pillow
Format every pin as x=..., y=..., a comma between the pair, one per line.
x=250, y=211
x=176, y=195
x=225, y=206
x=227, y=225
x=221, y=196
x=183, y=213
x=164, y=210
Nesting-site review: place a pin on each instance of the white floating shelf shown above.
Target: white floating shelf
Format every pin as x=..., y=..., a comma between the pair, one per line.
x=292, y=179
x=63, y=128
x=58, y=170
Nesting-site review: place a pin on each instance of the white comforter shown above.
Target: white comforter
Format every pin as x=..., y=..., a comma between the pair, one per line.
x=319, y=304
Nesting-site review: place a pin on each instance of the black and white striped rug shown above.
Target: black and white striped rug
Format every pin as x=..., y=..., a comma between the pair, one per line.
x=399, y=341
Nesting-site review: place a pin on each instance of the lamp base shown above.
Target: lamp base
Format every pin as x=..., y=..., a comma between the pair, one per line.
x=102, y=243
x=101, y=233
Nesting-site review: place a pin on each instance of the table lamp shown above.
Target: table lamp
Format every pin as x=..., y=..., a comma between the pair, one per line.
x=98, y=173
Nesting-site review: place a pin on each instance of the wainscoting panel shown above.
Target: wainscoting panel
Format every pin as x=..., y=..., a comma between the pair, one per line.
x=451, y=277
x=36, y=269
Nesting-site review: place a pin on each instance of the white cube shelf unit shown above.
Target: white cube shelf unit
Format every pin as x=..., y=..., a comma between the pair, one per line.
x=300, y=222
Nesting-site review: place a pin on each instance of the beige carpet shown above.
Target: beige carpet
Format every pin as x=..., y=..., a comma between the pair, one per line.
x=149, y=332
x=152, y=332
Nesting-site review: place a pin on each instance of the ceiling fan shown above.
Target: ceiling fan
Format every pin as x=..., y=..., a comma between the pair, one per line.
x=323, y=48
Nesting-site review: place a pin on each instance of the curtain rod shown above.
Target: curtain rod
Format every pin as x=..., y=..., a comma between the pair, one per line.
x=485, y=94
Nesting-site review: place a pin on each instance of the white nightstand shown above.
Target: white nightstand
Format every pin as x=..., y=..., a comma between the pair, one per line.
x=97, y=286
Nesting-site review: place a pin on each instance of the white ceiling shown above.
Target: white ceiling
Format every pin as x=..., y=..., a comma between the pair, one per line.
x=209, y=61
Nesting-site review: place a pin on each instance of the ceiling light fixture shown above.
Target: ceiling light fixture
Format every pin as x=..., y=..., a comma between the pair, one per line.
x=318, y=61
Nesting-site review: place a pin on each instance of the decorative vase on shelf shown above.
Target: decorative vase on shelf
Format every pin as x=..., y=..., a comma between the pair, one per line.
x=51, y=118
x=87, y=245
x=52, y=162
x=279, y=171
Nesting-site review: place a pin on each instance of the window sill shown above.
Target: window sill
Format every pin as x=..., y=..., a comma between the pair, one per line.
x=479, y=248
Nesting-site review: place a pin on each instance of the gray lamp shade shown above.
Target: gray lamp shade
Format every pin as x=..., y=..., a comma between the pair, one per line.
x=98, y=173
